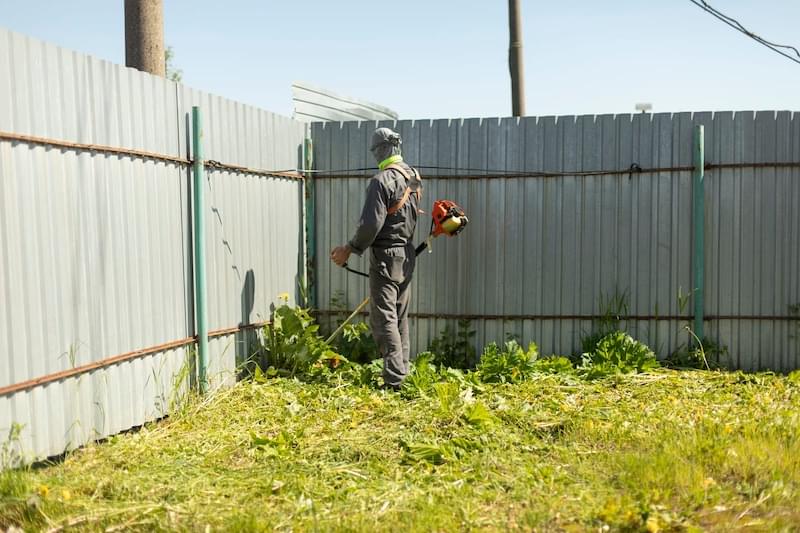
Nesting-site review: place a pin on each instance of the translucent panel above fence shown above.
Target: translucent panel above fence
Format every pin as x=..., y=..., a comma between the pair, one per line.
x=315, y=104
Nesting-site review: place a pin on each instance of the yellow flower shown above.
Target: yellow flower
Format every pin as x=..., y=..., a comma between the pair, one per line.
x=652, y=524
x=284, y=296
x=43, y=491
x=66, y=495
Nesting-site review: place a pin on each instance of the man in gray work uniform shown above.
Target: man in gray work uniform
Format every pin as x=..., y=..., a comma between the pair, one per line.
x=387, y=225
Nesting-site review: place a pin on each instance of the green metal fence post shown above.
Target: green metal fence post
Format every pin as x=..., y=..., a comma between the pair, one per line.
x=311, y=229
x=698, y=218
x=198, y=215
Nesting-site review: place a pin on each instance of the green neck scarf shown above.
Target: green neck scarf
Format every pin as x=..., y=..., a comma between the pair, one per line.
x=389, y=160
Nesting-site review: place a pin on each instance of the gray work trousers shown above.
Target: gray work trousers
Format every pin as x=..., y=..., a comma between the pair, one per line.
x=390, y=274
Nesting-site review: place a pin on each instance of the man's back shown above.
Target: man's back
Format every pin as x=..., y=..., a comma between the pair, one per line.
x=398, y=228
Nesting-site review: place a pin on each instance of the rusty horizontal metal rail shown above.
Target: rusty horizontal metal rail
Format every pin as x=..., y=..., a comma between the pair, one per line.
x=621, y=318
x=216, y=165
x=143, y=154
x=84, y=147
x=121, y=358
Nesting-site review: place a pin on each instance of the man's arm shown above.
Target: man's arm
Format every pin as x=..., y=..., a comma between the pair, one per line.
x=373, y=215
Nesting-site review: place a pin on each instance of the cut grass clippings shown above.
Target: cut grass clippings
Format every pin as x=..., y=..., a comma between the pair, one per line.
x=664, y=450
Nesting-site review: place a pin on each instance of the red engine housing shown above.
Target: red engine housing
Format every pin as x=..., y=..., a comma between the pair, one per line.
x=444, y=210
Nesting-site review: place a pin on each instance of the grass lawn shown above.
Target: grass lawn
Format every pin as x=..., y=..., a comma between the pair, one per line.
x=663, y=450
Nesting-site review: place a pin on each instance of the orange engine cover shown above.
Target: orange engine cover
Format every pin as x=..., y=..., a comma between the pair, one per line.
x=448, y=218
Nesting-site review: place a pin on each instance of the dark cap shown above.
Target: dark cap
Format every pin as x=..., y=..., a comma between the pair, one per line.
x=385, y=136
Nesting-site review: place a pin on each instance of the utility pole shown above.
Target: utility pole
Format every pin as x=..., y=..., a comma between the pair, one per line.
x=515, y=59
x=144, y=36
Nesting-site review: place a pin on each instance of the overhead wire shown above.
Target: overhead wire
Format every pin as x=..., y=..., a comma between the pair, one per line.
x=735, y=24
x=488, y=172
x=497, y=173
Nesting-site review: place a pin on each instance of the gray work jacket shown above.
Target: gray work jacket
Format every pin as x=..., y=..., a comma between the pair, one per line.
x=377, y=228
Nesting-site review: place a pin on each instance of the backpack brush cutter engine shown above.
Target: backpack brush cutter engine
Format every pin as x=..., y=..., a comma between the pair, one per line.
x=447, y=218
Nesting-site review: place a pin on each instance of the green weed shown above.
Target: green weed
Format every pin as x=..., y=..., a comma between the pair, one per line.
x=356, y=343
x=612, y=308
x=705, y=354
x=292, y=344
x=455, y=350
x=617, y=353
x=20, y=502
x=422, y=376
x=10, y=455
x=511, y=364
x=555, y=364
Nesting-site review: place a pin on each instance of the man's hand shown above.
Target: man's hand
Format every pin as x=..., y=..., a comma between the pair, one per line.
x=340, y=254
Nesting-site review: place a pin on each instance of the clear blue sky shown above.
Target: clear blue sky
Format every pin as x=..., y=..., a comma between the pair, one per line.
x=448, y=58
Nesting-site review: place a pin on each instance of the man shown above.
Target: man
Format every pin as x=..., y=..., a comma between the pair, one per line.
x=387, y=225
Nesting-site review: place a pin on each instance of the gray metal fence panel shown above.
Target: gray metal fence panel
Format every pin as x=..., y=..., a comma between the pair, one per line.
x=95, y=249
x=753, y=260
x=93, y=245
x=542, y=254
x=253, y=222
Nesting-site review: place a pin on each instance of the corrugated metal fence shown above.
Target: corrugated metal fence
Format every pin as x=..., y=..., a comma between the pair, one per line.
x=96, y=292
x=544, y=253
x=95, y=245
